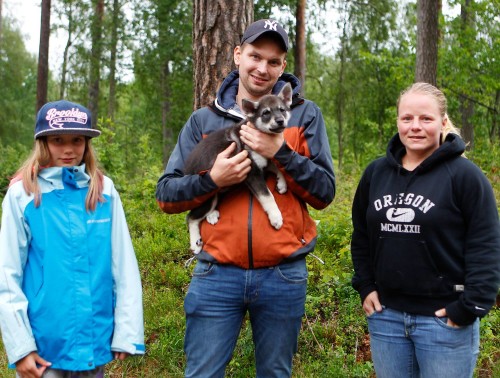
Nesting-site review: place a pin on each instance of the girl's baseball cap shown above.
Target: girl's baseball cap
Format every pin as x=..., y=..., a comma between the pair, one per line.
x=64, y=117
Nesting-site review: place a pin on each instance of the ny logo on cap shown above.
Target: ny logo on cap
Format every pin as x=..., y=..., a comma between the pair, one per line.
x=271, y=24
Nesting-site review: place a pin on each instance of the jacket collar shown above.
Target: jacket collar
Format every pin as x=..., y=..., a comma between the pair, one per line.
x=453, y=146
x=77, y=174
x=225, y=101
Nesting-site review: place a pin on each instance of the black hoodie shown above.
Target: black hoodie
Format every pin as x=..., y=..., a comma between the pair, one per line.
x=430, y=238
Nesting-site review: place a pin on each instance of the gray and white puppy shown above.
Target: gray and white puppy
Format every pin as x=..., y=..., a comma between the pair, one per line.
x=269, y=115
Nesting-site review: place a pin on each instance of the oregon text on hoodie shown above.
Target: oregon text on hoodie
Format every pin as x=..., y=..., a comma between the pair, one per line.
x=430, y=238
x=69, y=282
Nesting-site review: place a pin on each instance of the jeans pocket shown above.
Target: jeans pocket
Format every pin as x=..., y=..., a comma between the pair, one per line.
x=375, y=313
x=203, y=268
x=443, y=322
x=293, y=272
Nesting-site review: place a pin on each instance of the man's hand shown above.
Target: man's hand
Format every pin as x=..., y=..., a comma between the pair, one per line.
x=371, y=304
x=229, y=170
x=27, y=366
x=265, y=144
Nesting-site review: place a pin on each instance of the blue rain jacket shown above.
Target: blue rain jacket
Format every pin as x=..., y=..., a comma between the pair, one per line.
x=70, y=287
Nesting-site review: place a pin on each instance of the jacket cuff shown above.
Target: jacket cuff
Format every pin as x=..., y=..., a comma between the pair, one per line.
x=284, y=154
x=364, y=291
x=21, y=352
x=459, y=315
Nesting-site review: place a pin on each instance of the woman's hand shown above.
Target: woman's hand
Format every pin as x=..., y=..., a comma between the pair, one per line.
x=371, y=304
x=31, y=366
x=442, y=313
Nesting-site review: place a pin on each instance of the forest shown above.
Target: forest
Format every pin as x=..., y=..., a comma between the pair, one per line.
x=142, y=67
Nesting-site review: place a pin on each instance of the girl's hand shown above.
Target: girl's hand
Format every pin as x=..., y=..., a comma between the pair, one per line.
x=442, y=313
x=371, y=304
x=31, y=366
x=121, y=355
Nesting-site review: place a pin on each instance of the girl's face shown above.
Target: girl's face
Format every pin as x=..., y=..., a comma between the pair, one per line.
x=66, y=150
x=419, y=124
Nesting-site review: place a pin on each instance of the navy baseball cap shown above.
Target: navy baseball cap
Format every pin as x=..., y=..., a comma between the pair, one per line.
x=64, y=117
x=256, y=29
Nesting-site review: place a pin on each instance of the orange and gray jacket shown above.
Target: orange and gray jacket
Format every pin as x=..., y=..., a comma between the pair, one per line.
x=243, y=235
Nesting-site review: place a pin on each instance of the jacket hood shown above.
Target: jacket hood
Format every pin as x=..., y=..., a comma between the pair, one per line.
x=226, y=95
x=453, y=146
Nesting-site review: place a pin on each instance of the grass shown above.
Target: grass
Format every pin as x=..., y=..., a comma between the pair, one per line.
x=333, y=341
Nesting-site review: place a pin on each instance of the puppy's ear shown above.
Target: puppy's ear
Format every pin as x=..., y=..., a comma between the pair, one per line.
x=249, y=107
x=286, y=94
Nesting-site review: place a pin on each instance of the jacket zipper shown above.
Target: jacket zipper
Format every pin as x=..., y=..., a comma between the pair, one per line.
x=250, y=215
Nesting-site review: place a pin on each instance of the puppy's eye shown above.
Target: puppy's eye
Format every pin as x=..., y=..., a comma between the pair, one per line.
x=266, y=112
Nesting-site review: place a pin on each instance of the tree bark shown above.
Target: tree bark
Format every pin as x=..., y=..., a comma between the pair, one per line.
x=217, y=29
x=1, y=19
x=466, y=106
x=300, y=43
x=427, y=40
x=43, y=56
x=69, y=42
x=95, y=61
x=112, y=62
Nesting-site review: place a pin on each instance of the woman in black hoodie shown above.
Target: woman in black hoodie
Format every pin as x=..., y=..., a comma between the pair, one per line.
x=425, y=246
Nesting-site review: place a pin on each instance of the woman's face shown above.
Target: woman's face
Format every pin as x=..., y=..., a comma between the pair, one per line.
x=66, y=150
x=419, y=124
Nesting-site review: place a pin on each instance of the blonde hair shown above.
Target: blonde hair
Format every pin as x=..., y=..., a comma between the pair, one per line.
x=40, y=159
x=439, y=97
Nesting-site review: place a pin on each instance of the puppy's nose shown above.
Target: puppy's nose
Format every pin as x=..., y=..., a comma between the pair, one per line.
x=280, y=121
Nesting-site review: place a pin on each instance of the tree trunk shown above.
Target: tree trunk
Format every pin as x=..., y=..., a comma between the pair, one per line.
x=341, y=93
x=1, y=19
x=217, y=30
x=95, y=60
x=112, y=62
x=467, y=106
x=166, y=108
x=427, y=40
x=69, y=42
x=300, y=43
x=495, y=130
x=43, y=56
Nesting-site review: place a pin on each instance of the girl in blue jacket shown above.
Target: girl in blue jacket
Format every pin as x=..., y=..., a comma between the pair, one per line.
x=70, y=290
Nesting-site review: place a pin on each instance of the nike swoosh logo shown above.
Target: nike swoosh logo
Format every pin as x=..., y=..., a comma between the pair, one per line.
x=396, y=213
x=404, y=215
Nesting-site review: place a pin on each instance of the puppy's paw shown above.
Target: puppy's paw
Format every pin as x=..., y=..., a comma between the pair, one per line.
x=213, y=217
x=276, y=219
x=281, y=186
x=196, y=247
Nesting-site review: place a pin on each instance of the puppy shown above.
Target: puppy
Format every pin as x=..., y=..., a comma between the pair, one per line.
x=269, y=115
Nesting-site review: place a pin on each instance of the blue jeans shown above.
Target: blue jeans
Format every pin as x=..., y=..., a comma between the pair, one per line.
x=218, y=298
x=405, y=345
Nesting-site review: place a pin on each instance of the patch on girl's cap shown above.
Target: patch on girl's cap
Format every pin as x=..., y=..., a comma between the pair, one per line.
x=64, y=117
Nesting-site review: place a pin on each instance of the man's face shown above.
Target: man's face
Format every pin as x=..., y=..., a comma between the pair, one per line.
x=260, y=65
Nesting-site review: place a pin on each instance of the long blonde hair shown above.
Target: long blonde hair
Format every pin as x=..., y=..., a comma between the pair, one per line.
x=40, y=158
x=431, y=90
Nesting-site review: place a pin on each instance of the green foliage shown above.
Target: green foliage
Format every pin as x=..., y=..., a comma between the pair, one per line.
x=356, y=89
x=11, y=158
x=334, y=341
x=18, y=86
